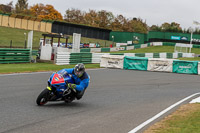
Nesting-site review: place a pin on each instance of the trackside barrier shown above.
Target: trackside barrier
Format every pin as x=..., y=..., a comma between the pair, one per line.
x=112, y=61
x=169, y=44
x=14, y=55
x=188, y=67
x=73, y=58
x=198, y=68
x=135, y=63
x=160, y=64
x=96, y=57
x=115, y=48
x=62, y=58
x=151, y=64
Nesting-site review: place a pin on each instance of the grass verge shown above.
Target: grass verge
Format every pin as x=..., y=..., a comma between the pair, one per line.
x=18, y=38
x=184, y=120
x=156, y=49
x=37, y=67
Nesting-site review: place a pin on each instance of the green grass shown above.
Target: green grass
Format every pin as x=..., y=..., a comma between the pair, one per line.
x=183, y=120
x=36, y=67
x=156, y=49
x=190, y=59
x=18, y=38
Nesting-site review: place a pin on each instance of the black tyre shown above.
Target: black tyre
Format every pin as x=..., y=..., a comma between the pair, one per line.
x=43, y=97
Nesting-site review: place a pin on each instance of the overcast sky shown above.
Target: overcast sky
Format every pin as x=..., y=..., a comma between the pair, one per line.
x=155, y=12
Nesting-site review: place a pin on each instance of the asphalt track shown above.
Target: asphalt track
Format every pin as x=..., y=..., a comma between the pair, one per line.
x=116, y=101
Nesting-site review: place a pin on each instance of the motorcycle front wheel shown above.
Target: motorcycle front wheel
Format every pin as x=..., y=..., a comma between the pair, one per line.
x=43, y=97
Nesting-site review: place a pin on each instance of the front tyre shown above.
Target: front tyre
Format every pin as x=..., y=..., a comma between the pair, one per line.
x=43, y=97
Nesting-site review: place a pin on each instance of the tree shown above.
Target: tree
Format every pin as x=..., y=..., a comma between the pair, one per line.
x=155, y=28
x=91, y=18
x=138, y=25
x=6, y=8
x=45, y=12
x=105, y=19
x=173, y=27
x=117, y=24
x=21, y=6
x=74, y=16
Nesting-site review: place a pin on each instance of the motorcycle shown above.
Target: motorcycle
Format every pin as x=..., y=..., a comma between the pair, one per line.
x=57, y=89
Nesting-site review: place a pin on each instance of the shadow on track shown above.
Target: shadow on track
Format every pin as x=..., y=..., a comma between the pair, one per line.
x=63, y=105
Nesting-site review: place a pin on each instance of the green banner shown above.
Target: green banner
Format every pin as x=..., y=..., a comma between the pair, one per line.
x=135, y=63
x=189, y=67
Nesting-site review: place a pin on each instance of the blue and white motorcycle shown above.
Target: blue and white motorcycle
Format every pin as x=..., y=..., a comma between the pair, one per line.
x=57, y=89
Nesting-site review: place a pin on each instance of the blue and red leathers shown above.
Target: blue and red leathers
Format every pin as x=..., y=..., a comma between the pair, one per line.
x=81, y=82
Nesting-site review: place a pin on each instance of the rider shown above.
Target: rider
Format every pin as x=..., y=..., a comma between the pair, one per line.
x=81, y=79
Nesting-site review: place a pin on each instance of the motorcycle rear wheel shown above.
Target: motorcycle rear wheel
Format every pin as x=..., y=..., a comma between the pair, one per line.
x=43, y=97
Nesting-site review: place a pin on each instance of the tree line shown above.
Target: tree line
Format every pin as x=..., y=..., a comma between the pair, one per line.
x=102, y=19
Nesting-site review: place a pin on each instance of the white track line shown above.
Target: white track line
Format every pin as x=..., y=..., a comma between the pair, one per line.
x=161, y=113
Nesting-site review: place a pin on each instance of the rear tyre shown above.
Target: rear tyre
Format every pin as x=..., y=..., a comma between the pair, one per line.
x=43, y=97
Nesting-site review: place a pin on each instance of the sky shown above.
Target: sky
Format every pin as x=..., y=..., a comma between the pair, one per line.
x=154, y=12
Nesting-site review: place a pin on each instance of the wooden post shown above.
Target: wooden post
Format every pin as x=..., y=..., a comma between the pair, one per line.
x=66, y=42
x=51, y=41
x=44, y=41
x=58, y=42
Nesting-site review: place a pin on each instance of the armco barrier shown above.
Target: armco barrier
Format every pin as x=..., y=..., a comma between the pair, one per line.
x=14, y=55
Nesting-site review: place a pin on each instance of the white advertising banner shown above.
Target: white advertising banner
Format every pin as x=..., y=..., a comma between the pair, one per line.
x=160, y=64
x=112, y=61
x=144, y=45
x=92, y=45
x=113, y=49
x=157, y=43
x=189, y=55
x=129, y=47
x=120, y=48
x=121, y=44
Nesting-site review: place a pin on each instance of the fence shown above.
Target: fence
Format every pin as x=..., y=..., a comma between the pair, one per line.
x=62, y=58
x=25, y=22
x=115, y=48
x=171, y=44
x=14, y=55
x=123, y=37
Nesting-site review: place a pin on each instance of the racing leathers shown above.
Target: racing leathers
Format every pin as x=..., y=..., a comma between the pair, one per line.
x=81, y=82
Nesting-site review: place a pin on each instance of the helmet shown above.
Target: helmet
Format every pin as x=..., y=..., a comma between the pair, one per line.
x=79, y=69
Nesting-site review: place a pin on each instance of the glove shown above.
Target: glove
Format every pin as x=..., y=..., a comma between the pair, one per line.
x=72, y=86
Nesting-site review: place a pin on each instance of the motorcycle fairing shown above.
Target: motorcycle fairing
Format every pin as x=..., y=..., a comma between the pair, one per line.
x=57, y=79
